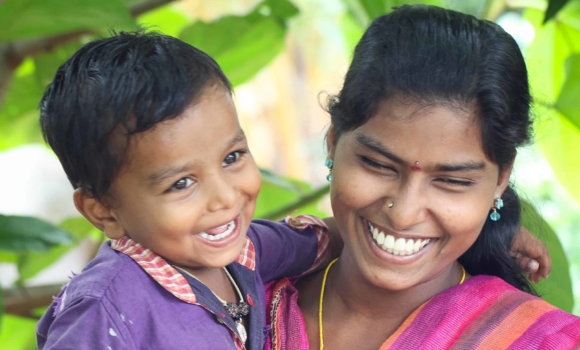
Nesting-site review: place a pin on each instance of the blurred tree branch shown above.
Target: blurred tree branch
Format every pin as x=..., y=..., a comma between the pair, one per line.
x=21, y=301
x=12, y=54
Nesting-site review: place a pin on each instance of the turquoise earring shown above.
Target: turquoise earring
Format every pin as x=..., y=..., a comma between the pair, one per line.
x=329, y=163
x=497, y=206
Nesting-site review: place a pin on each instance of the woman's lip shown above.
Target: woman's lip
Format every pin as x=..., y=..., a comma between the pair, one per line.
x=394, y=234
x=395, y=259
x=219, y=243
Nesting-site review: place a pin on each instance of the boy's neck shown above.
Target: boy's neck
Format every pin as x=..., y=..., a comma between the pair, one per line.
x=216, y=280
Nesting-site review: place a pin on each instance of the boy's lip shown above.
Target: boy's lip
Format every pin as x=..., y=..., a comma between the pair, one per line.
x=221, y=242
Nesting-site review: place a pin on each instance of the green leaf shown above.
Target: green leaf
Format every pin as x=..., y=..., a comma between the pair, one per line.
x=279, y=181
x=568, y=103
x=18, y=333
x=1, y=309
x=556, y=136
x=283, y=9
x=25, y=19
x=242, y=45
x=6, y=257
x=22, y=97
x=274, y=198
x=47, y=63
x=554, y=6
x=35, y=262
x=557, y=288
x=22, y=234
x=164, y=19
x=365, y=11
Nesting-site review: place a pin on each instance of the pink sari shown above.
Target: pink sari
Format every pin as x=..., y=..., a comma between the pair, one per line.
x=483, y=313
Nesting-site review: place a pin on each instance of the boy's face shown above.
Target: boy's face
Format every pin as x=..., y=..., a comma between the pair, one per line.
x=189, y=188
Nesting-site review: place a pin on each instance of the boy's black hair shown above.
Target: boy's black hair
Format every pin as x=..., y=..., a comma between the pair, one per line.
x=123, y=85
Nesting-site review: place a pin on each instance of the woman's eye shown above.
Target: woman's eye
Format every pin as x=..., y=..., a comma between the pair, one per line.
x=182, y=184
x=454, y=182
x=232, y=158
x=376, y=165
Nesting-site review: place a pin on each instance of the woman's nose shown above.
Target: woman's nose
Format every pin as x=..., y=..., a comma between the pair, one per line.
x=407, y=207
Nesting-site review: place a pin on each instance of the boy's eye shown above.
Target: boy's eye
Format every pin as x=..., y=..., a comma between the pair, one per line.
x=182, y=184
x=232, y=158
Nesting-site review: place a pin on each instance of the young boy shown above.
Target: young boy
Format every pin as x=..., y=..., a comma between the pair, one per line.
x=146, y=130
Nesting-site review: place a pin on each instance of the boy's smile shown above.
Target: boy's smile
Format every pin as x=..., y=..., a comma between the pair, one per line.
x=189, y=186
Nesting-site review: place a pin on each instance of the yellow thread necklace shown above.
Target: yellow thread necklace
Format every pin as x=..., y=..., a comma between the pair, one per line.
x=320, y=332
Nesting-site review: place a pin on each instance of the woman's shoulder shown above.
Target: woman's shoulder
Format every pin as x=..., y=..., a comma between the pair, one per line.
x=488, y=311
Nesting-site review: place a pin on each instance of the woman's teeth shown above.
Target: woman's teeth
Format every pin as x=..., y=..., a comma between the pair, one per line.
x=399, y=246
x=230, y=228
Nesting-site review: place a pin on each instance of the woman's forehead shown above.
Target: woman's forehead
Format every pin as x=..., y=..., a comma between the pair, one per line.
x=414, y=132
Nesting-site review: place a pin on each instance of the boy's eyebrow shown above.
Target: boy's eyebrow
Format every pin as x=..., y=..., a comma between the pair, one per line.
x=376, y=146
x=240, y=136
x=163, y=174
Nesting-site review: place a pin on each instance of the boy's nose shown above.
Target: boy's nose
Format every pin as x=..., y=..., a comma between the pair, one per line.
x=222, y=194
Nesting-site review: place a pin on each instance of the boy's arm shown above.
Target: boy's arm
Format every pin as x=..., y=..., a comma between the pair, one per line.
x=290, y=247
x=532, y=255
x=84, y=324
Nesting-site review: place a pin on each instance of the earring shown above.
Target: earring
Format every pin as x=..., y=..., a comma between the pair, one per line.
x=497, y=206
x=329, y=163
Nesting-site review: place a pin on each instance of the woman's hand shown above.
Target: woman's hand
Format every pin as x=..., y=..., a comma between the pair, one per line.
x=532, y=255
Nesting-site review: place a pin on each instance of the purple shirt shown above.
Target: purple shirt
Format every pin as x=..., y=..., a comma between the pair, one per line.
x=115, y=304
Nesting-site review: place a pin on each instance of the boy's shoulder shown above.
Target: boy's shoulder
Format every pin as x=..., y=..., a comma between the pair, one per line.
x=108, y=269
x=111, y=278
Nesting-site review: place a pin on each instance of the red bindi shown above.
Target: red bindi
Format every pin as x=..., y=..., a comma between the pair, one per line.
x=416, y=167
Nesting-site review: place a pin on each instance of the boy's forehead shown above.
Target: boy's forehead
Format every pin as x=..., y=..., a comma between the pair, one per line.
x=206, y=130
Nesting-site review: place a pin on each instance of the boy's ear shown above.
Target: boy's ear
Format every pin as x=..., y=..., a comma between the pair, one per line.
x=98, y=214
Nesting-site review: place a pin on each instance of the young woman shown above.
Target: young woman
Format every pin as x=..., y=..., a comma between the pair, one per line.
x=421, y=147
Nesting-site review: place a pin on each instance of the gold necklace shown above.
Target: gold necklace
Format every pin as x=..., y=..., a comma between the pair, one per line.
x=236, y=310
x=320, y=332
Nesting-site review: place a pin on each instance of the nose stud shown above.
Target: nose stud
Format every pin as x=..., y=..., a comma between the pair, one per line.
x=390, y=205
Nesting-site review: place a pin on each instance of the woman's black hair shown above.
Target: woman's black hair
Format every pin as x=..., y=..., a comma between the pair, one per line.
x=433, y=56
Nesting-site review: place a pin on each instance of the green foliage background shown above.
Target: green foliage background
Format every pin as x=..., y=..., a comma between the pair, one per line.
x=36, y=36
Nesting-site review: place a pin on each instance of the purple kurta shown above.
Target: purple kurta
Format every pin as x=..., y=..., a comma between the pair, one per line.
x=115, y=304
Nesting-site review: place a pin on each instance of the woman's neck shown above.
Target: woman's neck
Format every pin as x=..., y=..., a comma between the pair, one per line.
x=346, y=285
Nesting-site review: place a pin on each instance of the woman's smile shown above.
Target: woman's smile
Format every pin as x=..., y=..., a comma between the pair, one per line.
x=404, y=246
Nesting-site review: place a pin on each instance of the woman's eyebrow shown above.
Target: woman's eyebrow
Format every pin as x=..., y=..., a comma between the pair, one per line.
x=376, y=146
x=467, y=166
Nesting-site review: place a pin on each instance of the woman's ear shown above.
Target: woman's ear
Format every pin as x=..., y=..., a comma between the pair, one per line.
x=99, y=214
x=331, y=141
x=503, y=179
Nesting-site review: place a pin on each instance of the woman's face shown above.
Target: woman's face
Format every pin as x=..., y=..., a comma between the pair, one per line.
x=429, y=163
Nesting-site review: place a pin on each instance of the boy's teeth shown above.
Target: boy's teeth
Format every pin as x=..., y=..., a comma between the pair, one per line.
x=229, y=229
x=399, y=246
